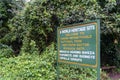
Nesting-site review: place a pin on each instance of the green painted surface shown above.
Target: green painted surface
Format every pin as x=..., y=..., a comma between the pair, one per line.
x=79, y=44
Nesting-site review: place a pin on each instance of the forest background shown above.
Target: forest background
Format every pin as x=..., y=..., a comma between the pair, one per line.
x=28, y=37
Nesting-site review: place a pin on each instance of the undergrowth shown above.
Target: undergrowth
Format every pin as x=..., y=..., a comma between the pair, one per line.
x=41, y=67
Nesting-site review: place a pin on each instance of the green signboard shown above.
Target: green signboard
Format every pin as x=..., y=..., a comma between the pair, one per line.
x=79, y=44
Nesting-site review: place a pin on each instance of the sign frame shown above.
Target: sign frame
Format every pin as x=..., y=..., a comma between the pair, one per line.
x=97, y=32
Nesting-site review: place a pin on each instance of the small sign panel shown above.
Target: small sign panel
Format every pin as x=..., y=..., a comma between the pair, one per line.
x=79, y=44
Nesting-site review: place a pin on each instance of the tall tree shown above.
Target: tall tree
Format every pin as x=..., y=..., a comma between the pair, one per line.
x=5, y=15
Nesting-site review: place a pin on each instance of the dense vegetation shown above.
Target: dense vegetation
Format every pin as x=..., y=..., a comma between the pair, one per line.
x=43, y=67
x=27, y=29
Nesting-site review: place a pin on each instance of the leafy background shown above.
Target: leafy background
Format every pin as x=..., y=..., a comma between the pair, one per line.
x=28, y=29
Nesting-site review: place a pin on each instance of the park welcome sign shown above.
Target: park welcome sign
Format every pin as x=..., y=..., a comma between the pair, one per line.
x=79, y=44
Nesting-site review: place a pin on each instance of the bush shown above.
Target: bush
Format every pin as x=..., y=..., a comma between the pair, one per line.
x=43, y=67
x=5, y=51
x=29, y=47
x=28, y=66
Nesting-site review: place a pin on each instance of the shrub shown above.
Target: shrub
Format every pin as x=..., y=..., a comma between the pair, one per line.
x=29, y=46
x=43, y=67
x=5, y=51
x=28, y=66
